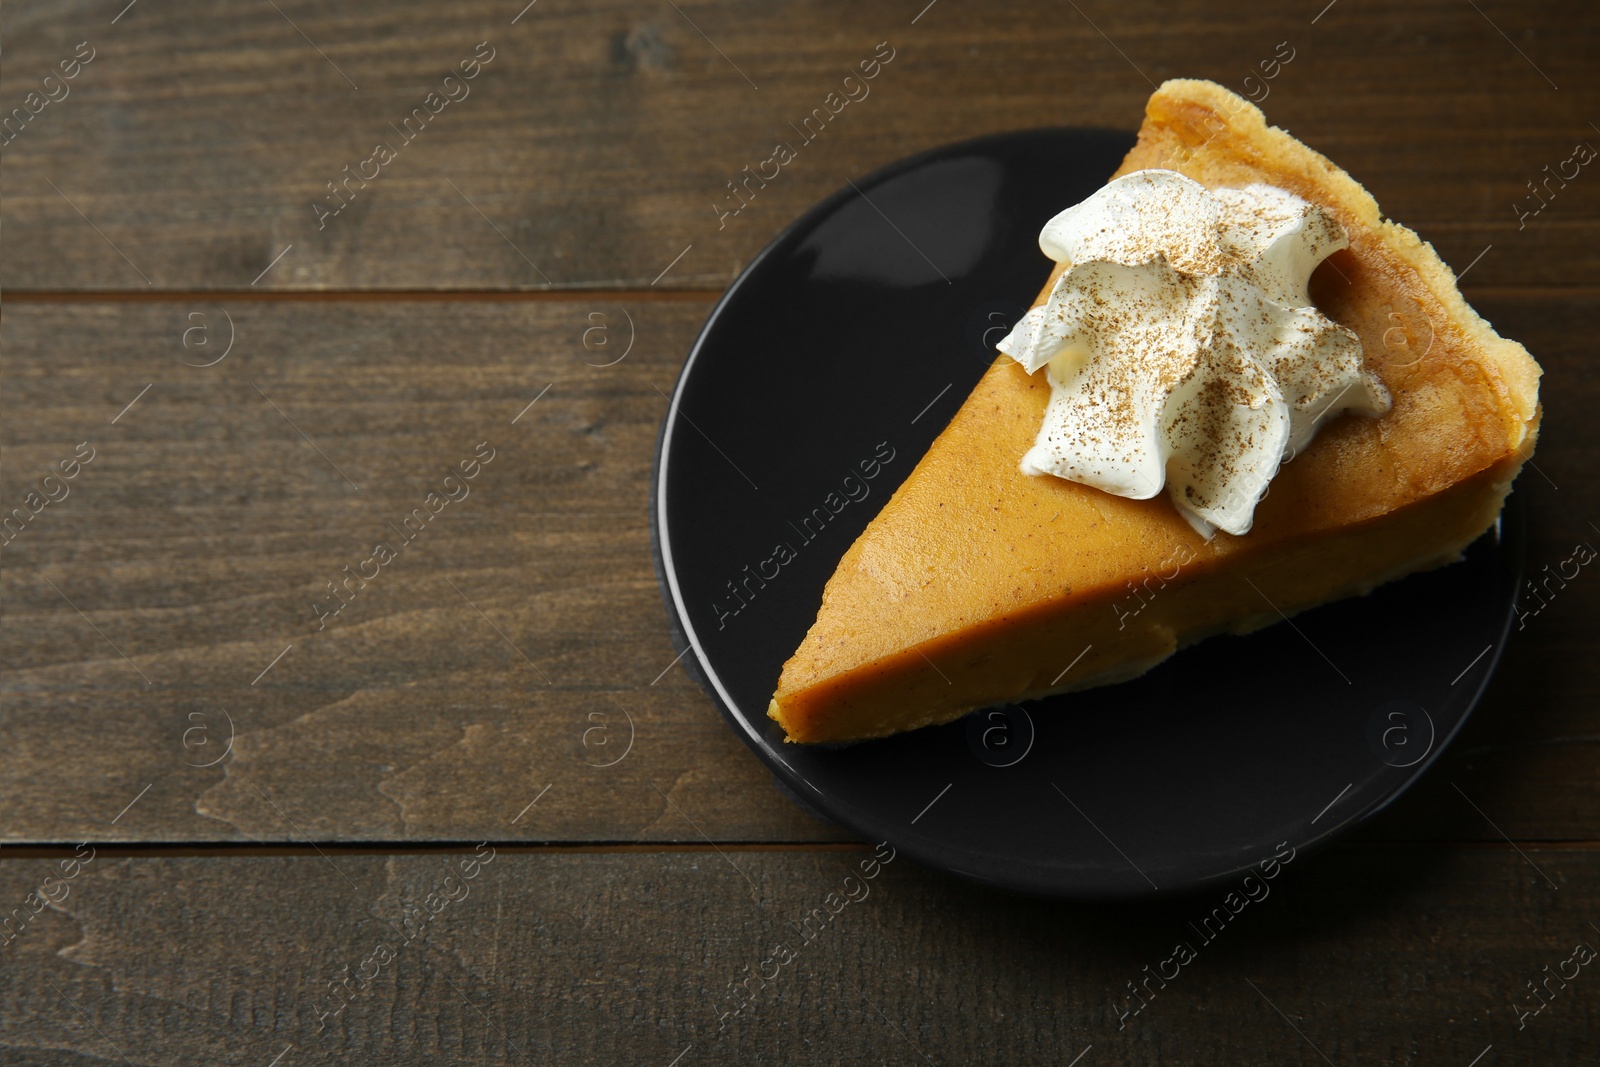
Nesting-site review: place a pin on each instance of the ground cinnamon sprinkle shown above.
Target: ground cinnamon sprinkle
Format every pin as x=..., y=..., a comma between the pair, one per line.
x=1180, y=344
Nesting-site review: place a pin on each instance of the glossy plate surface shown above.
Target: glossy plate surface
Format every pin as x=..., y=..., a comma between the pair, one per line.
x=845, y=347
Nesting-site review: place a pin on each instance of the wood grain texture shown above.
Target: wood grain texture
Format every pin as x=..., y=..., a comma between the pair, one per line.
x=600, y=138
x=196, y=540
x=1376, y=955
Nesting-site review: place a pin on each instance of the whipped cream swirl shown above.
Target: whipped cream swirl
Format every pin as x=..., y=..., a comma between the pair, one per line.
x=1181, y=346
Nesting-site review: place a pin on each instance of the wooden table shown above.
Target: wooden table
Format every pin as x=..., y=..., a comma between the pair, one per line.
x=281, y=810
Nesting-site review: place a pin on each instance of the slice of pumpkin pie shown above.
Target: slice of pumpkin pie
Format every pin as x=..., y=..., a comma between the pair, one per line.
x=1192, y=407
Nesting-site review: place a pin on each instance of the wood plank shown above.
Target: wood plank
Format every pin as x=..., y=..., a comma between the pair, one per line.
x=601, y=136
x=1390, y=955
x=195, y=540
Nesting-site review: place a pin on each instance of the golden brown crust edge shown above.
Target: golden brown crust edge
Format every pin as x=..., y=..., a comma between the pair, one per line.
x=1515, y=372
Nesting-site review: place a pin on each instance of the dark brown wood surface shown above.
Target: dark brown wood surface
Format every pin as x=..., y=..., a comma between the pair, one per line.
x=599, y=137
x=1374, y=955
x=409, y=715
x=162, y=208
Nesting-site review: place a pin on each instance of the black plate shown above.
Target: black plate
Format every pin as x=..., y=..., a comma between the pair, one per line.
x=856, y=335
